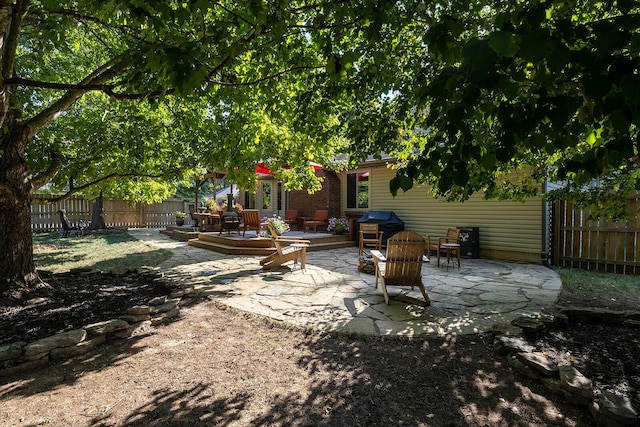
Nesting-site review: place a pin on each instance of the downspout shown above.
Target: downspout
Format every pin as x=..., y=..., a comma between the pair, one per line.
x=545, y=254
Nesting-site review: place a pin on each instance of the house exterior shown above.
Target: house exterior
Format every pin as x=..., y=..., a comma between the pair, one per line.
x=507, y=230
x=271, y=198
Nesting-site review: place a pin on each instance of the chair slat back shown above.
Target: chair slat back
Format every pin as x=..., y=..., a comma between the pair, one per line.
x=251, y=217
x=453, y=234
x=403, y=265
x=321, y=215
x=369, y=228
x=291, y=215
x=274, y=235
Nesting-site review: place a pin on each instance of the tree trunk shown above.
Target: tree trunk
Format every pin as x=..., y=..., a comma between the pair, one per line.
x=18, y=277
x=97, y=215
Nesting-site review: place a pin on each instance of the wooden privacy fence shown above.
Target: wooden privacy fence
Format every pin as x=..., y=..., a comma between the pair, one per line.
x=598, y=245
x=117, y=213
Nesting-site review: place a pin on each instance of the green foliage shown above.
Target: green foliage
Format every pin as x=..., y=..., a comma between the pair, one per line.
x=486, y=89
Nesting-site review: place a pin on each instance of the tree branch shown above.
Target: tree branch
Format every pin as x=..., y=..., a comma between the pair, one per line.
x=57, y=162
x=124, y=29
x=273, y=76
x=75, y=190
x=98, y=77
x=11, y=38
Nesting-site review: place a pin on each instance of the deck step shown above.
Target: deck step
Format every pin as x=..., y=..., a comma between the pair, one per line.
x=234, y=244
x=231, y=249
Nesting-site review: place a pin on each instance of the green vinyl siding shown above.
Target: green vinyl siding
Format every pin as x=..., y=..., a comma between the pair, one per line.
x=508, y=230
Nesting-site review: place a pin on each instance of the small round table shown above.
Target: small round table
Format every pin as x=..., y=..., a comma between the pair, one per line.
x=448, y=248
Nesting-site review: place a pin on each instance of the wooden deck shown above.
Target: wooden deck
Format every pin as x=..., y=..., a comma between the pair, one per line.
x=234, y=244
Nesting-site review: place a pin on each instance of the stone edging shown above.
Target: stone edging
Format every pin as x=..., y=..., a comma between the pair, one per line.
x=608, y=409
x=22, y=356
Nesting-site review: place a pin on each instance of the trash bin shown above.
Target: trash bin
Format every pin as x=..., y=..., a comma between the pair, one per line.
x=469, y=242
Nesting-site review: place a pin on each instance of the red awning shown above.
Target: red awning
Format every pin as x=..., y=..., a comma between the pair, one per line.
x=261, y=168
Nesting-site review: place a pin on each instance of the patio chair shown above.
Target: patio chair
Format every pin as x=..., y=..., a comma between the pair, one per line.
x=402, y=265
x=192, y=213
x=297, y=249
x=69, y=229
x=291, y=218
x=449, y=245
x=251, y=220
x=319, y=219
x=370, y=235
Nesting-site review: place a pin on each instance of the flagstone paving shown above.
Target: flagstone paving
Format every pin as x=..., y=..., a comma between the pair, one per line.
x=331, y=294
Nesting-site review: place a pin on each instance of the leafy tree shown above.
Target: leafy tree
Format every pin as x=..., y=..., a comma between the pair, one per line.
x=102, y=96
x=499, y=96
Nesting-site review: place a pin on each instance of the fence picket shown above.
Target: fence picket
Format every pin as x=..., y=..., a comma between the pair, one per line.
x=600, y=245
x=117, y=213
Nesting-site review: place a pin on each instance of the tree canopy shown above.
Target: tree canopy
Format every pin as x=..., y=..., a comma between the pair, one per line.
x=500, y=96
x=495, y=97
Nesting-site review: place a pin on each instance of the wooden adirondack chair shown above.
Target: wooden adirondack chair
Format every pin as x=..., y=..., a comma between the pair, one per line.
x=402, y=265
x=319, y=219
x=296, y=250
x=251, y=220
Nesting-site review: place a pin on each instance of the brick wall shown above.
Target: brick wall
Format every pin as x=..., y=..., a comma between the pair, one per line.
x=327, y=198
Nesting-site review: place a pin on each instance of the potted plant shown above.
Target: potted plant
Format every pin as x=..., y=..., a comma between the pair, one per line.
x=338, y=225
x=278, y=224
x=180, y=216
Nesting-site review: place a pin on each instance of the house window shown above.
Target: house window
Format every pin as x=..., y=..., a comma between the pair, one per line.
x=358, y=190
x=266, y=195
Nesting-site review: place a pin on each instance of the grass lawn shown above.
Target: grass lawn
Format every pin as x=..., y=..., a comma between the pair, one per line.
x=108, y=252
x=606, y=290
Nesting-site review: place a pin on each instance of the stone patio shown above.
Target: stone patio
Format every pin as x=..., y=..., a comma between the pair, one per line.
x=331, y=294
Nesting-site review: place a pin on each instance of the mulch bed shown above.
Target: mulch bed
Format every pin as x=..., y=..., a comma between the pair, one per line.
x=78, y=298
x=370, y=380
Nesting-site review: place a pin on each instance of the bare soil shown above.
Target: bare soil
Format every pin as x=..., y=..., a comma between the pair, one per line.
x=216, y=366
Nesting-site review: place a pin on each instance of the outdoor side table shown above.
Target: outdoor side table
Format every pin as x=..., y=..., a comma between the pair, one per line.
x=448, y=248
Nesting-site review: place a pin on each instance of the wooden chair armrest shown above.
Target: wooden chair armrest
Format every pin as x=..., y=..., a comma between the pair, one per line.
x=378, y=255
x=293, y=240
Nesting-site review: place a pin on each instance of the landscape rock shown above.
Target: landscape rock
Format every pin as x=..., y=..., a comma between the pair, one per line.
x=613, y=316
x=612, y=410
x=522, y=368
x=177, y=294
x=106, y=327
x=539, y=362
x=25, y=366
x=11, y=351
x=158, y=300
x=134, y=330
x=78, y=349
x=529, y=325
x=507, y=344
x=579, y=314
x=164, y=316
x=578, y=387
x=64, y=339
x=167, y=306
x=139, y=309
x=130, y=318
